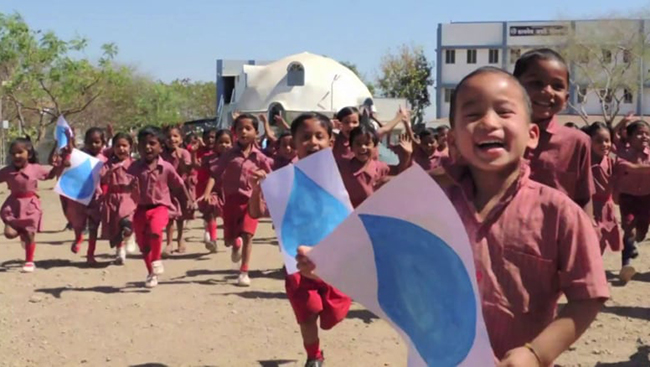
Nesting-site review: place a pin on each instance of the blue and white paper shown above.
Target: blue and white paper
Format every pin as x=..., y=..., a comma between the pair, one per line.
x=404, y=254
x=60, y=132
x=306, y=200
x=79, y=181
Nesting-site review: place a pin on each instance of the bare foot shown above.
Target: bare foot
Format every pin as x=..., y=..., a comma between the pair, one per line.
x=181, y=247
x=167, y=252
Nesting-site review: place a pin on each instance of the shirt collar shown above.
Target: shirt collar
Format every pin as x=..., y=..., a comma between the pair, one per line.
x=552, y=126
x=357, y=167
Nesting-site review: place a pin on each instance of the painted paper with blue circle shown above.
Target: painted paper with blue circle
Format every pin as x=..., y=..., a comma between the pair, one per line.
x=404, y=254
x=79, y=181
x=60, y=132
x=307, y=201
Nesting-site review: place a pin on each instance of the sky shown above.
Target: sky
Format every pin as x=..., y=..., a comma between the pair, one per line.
x=170, y=39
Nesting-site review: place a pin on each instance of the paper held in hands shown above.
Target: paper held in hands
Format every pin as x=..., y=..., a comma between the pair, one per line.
x=79, y=181
x=404, y=254
x=307, y=200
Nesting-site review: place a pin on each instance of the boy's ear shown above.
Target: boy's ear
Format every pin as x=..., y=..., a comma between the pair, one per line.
x=533, y=136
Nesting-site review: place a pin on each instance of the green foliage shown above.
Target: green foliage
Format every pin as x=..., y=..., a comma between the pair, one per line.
x=45, y=77
x=407, y=74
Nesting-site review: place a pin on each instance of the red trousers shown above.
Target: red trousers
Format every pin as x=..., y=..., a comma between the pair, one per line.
x=148, y=226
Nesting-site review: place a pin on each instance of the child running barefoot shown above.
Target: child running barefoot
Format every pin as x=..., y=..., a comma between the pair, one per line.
x=311, y=298
x=235, y=169
x=181, y=160
x=21, y=211
x=530, y=242
x=212, y=205
x=632, y=172
x=81, y=216
x=562, y=159
x=119, y=204
x=603, y=172
x=154, y=180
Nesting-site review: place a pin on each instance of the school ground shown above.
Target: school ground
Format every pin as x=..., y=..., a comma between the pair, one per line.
x=66, y=314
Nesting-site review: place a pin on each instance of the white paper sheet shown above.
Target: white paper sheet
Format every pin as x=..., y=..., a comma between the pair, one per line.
x=306, y=200
x=79, y=181
x=404, y=254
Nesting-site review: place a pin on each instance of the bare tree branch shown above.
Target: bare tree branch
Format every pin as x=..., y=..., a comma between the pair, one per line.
x=47, y=90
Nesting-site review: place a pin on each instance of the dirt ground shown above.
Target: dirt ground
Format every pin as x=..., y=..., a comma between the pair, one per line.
x=66, y=314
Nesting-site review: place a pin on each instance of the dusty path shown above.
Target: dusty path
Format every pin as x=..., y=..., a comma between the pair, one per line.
x=66, y=314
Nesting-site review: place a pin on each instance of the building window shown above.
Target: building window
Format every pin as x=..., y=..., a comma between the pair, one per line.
x=582, y=94
x=494, y=56
x=448, y=93
x=471, y=56
x=450, y=56
x=627, y=96
x=295, y=75
x=515, y=53
x=627, y=56
x=607, y=56
x=605, y=95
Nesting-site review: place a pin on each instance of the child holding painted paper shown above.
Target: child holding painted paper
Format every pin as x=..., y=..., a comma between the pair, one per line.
x=632, y=171
x=602, y=169
x=119, y=204
x=181, y=160
x=311, y=298
x=212, y=206
x=154, y=181
x=81, y=216
x=562, y=159
x=530, y=242
x=21, y=212
x=235, y=169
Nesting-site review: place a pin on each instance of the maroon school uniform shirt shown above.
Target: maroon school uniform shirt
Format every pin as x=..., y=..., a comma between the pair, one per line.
x=360, y=179
x=562, y=160
x=629, y=182
x=533, y=246
x=235, y=171
x=341, y=148
x=279, y=162
x=154, y=185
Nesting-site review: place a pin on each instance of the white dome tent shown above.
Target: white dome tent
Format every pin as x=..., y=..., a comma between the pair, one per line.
x=298, y=83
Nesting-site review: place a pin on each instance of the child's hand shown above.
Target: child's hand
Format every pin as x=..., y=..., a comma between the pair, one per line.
x=519, y=357
x=257, y=177
x=305, y=265
x=200, y=199
x=235, y=114
x=262, y=117
x=406, y=144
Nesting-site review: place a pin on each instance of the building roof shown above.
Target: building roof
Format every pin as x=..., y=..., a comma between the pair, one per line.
x=328, y=86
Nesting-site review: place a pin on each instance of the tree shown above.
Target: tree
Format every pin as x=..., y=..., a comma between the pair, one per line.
x=606, y=58
x=407, y=74
x=355, y=70
x=42, y=75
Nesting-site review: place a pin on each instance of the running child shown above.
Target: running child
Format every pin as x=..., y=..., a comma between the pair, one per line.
x=181, y=160
x=632, y=172
x=311, y=298
x=21, y=212
x=235, y=169
x=81, y=216
x=603, y=172
x=211, y=206
x=119, y=204
x=562, y=159
x=154, y=181
x=530, y=242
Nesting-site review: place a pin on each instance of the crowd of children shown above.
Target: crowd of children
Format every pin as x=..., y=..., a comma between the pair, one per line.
x=537, y=198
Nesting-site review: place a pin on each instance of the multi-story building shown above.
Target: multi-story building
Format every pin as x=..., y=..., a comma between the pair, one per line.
x=465, y=46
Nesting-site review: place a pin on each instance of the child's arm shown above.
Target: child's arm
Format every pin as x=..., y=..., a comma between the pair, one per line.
x=559, y=335
x=400, y=116
x=256, y=204
x=268, y=132
x=175, y=180
x=280, y=121
x=406, y=144
x=208, y=189
x=632, y=167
